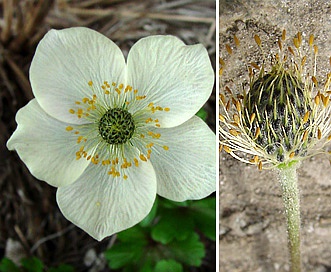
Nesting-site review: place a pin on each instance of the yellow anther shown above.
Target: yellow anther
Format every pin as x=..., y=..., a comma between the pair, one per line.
x=166, y=147
x=79, y=139
x=136, y=163
x=113, y=84
x=227, y=149
x=236, y=40
x=311, y=40
x=260, y=166
x=257, y=40
x=69, y=128
x=317, y=99
x=158, y=125
x=228, y=48
x=257, y=133
x=121, y=86
x=283, y=34
x=149, y=145
x=142, y=136
x=140, y=97
x=151, y=104
x=315, y=49
x=71, y=111
x=166, y=109
x=306, y=117
x=142, y=157
x=77, y=102
x=296, y=42
x=233, y=132
x=90, y=83
x=148, y=120
x=135, y=91
x=125, y=177
x=292, y=154
x=319, y=134
x=85, y=100
x=252, y=117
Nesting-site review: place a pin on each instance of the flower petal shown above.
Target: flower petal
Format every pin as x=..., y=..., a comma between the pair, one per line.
x=64, y=63
x=44, y=145
x=102, y=205
x=188, y=169
x=171, y=75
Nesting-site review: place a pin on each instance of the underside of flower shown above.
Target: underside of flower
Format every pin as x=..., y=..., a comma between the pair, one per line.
x=282, y=116
x=117, y=134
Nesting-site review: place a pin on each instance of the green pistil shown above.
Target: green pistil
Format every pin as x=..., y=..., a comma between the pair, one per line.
x=279, y=103
x=116, y=126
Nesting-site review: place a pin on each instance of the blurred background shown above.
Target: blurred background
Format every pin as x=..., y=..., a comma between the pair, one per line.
x=33, y=233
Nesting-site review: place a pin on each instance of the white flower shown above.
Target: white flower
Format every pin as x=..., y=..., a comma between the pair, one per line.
x=112, y=134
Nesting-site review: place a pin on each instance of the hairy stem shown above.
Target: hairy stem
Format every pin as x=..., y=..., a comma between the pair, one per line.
x=289, y=183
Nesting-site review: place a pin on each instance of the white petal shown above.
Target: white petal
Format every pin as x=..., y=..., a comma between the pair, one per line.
x=171, y=75
x=65, y=61
x=44, y=145
x=188, y=169
x=102, y=205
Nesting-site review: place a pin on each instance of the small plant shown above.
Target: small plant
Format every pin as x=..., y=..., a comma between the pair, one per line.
x=282, y=118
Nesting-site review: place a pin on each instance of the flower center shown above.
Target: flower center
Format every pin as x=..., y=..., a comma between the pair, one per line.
x=278, y=103
x=116, y=126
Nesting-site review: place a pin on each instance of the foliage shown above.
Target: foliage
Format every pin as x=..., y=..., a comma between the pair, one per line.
x=167, y=239
x=31, y=264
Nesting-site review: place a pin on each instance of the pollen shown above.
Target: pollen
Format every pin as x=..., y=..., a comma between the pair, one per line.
x=114, y=128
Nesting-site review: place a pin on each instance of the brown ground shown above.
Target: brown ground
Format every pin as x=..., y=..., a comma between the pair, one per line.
x=252, y=222
x=30, y=221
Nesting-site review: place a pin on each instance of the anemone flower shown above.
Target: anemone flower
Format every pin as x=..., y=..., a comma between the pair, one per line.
x=110, y=133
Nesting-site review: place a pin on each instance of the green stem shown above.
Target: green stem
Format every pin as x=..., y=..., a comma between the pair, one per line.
x=289, y=183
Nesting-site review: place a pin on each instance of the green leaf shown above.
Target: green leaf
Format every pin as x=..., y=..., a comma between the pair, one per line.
x=7, y=265
x=147, y=265
x=202, y=113
x=134, y=234
x=189, y=251
x=32, y=264
x=124, y=253
x=204, y=215
x=62, y=268
x=150, y=217
x=168, y=265
x=166, y=203
x=173, y=224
